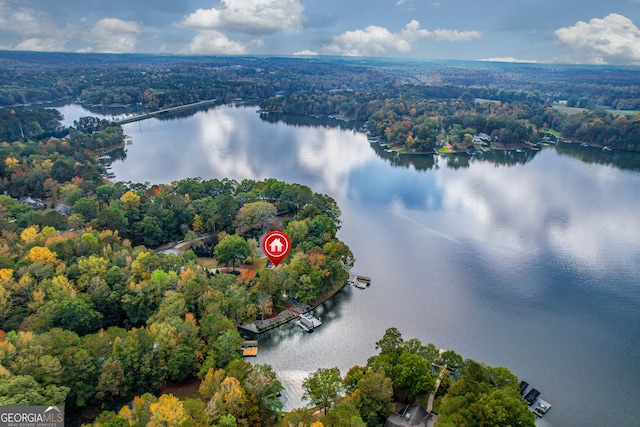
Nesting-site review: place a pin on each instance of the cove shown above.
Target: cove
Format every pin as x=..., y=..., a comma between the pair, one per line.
x=524, y=260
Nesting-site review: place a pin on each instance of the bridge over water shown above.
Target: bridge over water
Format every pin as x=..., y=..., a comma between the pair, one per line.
x=166, y=110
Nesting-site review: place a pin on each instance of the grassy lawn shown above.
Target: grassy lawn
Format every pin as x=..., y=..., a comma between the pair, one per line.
x=258, y=264
x=207, y=262
x=554, y=132
x=569, y=110
x=443, y=149
x=617, y=113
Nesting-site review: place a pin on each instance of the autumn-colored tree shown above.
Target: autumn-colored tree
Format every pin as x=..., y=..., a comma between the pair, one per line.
x=11, y=163
x=42, y=254
x=247, y=276
x=167, y=412
x=229, y=399
x=211, y=382
x=196, y=224
x=130, y=199
x=29, y=234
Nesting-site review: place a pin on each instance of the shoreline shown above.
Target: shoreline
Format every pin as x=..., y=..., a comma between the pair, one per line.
x=287, y=315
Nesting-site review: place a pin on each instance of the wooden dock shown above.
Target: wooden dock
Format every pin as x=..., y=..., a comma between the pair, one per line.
x=361, y=282
x=249, y=348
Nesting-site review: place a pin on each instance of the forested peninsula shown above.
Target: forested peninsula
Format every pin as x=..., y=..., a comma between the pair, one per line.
x=93, y=317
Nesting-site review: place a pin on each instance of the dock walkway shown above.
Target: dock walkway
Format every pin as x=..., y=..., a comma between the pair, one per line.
x=285, y=316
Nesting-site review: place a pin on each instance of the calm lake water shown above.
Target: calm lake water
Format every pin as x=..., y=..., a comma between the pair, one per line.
x=525, y=260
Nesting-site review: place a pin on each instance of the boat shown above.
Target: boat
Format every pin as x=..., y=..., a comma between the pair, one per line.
x=307, y=322
x=540, y=408
x=531, y=396
x=606, y=149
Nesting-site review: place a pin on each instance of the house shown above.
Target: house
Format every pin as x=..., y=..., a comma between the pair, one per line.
x=412, y=416
x=481, y=137
x=64, y=210
x=276, y=246
x=34, y=203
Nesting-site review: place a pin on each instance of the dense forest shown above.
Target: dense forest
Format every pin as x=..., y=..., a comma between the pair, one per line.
x=417, y=107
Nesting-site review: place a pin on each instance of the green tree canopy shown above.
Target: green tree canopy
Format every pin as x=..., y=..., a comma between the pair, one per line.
x=230, y=249
x=323, y=388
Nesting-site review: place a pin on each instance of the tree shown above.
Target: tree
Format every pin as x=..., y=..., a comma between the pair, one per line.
x=299, y=417
x=375, y=392
x=391, y=341
x=265, y=304
x=230, y=249
x=414, y=375
x=254, y=217
x=86, y=207
x=323, y=388
x=262, y=384
x=343, y=415
x=167, y=412
x=181, y=363
x=25, y=391
x=75, y=314
x=211, y=382
x=112, y=384
x=227, y=347
x=229, y=399
x=42, y=254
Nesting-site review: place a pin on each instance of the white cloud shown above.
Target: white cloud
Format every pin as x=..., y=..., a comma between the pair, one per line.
x=254, y=17
x=612, y=39
x=455, y=35
x=36, y=30
x=215, y=43
x=374, y=40
x=509, y=59
x=41, y=45
x=306, y=52
x=115, y=35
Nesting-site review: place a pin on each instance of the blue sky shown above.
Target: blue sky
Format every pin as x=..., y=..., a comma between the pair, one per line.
x=554, y=31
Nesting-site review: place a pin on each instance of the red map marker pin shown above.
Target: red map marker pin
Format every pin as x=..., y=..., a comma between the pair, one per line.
x=276, y=246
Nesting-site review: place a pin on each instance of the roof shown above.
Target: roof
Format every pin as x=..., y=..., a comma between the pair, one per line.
x=413, y=416
x=64, y=210
x=34, y=203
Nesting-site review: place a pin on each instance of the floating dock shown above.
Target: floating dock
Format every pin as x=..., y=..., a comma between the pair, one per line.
x=538, y=406
x=249, y=348
x=541, y=407
x=361, y=282
x=307, y=322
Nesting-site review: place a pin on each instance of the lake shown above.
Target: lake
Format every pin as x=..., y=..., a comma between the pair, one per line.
x=525, y=260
